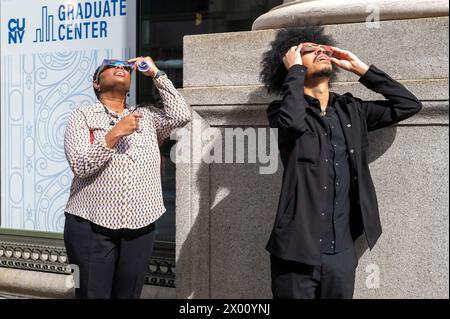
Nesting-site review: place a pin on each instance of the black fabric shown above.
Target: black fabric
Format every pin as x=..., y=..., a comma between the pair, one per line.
x=112, y=263
x=335, y=218
x=333, y=279
x=303, y=146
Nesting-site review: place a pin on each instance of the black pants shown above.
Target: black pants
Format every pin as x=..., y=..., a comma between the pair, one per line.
x=334, y=279
x=112, y=263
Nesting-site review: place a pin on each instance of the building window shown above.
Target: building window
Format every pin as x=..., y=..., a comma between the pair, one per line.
x=161, y=27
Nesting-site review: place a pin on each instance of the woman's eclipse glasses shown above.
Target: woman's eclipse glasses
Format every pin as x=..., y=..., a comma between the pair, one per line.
x=112, y=63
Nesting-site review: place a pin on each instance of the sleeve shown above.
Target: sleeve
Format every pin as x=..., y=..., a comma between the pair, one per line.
x=175, y=112
x=288, y=115
x=399, y=104
x=85, y=159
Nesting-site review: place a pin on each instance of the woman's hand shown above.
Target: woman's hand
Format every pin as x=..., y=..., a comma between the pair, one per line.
x=126, y=126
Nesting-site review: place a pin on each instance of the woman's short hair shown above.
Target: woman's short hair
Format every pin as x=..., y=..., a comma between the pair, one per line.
x=96, y=78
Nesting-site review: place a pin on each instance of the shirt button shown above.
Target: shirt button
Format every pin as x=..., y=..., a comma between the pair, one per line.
x=325, y=187
x=332, y=126
x=355, y=177
x=325, y=134
x=332, y=241
x=352, y=151
x=326, y=160
x=320, y=239
x=323, y=214
x=349, y=125
x=337, y=164
x=336, y=203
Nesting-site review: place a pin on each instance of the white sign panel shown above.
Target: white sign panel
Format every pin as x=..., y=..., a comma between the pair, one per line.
x=49, y=52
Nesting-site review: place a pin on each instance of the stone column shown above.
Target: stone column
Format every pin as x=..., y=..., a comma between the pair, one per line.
x=300, y=12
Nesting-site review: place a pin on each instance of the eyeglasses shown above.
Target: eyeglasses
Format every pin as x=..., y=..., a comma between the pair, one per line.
x=311, y=47
x=113, y=63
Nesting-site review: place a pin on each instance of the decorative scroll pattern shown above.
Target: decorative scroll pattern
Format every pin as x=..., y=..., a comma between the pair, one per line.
x=39, y=91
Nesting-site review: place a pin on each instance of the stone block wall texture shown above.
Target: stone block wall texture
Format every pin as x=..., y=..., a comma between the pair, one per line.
x=225, y=212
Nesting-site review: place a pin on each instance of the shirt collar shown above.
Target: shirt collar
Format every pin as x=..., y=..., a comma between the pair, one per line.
x=312, y=101
x=99, y=108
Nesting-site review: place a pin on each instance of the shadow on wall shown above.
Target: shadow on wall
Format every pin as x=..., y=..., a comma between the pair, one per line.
x=225, y=247
x=379, y=142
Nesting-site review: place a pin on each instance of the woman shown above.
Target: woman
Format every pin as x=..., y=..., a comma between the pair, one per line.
x=115, y=197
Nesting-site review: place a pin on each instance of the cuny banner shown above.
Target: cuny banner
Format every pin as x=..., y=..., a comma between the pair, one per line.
x=49, y=51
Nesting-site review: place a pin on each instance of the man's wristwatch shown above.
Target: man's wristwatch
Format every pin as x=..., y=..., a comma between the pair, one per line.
x=158, y=74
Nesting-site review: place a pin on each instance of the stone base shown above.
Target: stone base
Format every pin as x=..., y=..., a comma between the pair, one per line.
x=34, y=284
x=18, y=284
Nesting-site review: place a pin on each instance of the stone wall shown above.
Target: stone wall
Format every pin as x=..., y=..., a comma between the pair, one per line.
x=225, y=212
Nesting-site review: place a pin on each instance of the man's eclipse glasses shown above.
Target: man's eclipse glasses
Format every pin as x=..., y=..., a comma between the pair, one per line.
x=311, y=47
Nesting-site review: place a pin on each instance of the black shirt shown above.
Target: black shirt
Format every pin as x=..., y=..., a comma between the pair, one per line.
x=336, y=235
x=303, y=147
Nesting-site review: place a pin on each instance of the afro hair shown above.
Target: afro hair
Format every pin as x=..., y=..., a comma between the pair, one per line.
x=273, y=71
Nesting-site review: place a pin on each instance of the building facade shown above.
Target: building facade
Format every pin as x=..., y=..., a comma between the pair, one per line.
x=67, y=40
x=219, y=214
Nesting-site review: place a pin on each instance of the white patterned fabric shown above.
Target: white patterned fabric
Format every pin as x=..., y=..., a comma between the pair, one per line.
x=121, y=187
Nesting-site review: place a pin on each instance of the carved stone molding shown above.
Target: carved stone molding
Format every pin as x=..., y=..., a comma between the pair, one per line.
x=301, y=12
x=48, y=258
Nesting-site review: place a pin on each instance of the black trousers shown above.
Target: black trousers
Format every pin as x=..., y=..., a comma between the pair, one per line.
x=333, y=279
x=112, y=263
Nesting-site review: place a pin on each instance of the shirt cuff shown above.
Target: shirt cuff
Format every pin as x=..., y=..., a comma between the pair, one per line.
x=161, y=81
x=298, y=68
x=106, y=148
x=372, y=76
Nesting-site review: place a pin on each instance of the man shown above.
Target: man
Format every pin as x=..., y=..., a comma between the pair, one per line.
x=115, y=197
x=327, y=197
